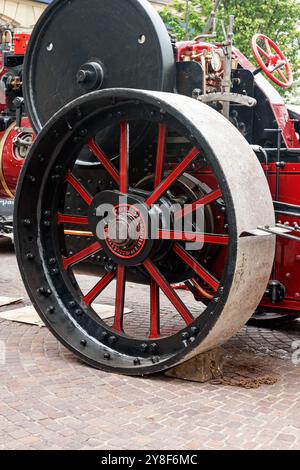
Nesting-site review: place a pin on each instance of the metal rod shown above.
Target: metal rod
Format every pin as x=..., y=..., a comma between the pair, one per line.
x=286, y=227
x=284, y=235
x=283, y=149
x=211, y=22
x=294, y=228
x=226, y=82
x=278, y=163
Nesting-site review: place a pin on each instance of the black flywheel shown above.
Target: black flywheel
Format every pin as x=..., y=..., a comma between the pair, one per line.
x=79, y=46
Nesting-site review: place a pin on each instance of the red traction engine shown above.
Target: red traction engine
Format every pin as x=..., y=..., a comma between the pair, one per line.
x=156, y=164
x=16, y=134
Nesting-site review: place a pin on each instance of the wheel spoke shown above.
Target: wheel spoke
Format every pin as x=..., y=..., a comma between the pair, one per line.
x=79, y=189
x=199, y=270
x=164, y=185
x=72, y=219
x=120, y=299
x=281, y=74
x=205, y=200
x=263, y=52
x=104, y=160
x=161, y=145
x=124, y=156
x=193, y=237
x=78, y=233
x=81, y=255
x=169, y=292
x=155, y=309
x=268, y=46
x=99, y=287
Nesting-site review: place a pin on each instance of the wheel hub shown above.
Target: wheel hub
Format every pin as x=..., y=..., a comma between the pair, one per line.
x=121, y=224
x=126, y=233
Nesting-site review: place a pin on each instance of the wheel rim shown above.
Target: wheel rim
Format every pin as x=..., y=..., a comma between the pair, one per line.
x=115, y=344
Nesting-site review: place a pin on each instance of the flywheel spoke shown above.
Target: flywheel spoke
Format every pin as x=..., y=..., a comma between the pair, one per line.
x=124, y=156
x=99, y=287
x=203, y=201
x=179, y=170
x=193, y=237
x=104, y=160
x=71, y=219
x=168, y=291
x=197, y=268
x=154, y=311
x=160, y=154
x=81, y=255
x=120, y=299
x=79, y=189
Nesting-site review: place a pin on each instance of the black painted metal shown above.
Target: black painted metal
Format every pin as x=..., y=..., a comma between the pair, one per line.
x=189, y=78
x=287, y=209
x=84, y=45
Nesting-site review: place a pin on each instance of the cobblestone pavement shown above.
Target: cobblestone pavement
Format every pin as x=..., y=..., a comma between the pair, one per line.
x=49, y=400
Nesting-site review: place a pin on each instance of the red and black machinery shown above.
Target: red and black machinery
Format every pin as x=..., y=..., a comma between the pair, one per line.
x=16, y=134
x=130, y=125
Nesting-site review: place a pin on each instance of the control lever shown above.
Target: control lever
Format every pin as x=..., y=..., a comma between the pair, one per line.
x=19, y=105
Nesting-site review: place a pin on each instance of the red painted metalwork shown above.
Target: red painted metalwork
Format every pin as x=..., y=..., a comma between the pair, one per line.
x=164, y=185
x=81, y=255
x=199, y=270
x=276, y=102
x=203, y=201
x=154, y=311
x=160, y=154
x=134, y=219
x=168, y=291
x=99, y=287
x=11, y=159
x=270, y=58
x=104, y=160
x=21, y=42
x=79, y=188
x=120, y=298
x=124, y=148
x=71, y=219
x=193, y=237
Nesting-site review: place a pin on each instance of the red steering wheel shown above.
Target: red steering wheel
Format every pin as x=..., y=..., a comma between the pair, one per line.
x=272, y=61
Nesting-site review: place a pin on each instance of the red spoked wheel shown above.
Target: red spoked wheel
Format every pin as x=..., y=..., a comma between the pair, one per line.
x=272, y=60
x=170, y=211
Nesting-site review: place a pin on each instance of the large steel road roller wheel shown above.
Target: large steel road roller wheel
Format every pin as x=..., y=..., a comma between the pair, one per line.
x=178, y=211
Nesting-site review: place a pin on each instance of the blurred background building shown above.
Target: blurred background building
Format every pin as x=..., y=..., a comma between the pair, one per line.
x=24, y=13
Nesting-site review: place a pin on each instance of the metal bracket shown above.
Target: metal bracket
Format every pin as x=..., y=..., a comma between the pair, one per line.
x=281, y=230
x=242, y=100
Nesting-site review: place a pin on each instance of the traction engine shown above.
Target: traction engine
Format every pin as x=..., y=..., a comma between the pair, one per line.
x=156, y=164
